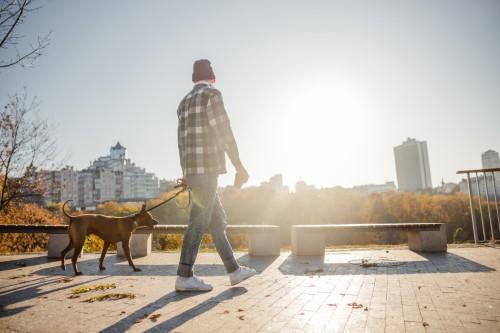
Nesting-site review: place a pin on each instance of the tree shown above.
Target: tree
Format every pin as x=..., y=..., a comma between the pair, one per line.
x=12, y=15
x=25, y=146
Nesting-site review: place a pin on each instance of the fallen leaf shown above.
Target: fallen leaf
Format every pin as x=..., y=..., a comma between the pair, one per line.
x=65, y=280
x=240, y=310
x=242, y=317
x=109, y=297
x=86, y=289
x=123, y=312
x=425, y=324
x=365, y=263
x=355, y=305
x=155, y=317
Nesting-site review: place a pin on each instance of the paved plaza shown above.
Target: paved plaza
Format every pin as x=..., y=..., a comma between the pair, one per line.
x=367, y=290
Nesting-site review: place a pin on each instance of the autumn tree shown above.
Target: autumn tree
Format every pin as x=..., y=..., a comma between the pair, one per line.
x=25, y=146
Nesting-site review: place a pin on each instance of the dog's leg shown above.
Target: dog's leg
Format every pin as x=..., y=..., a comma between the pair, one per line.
x=78, y=249
x=126, y=249
x=103, y=254
x=64, y=252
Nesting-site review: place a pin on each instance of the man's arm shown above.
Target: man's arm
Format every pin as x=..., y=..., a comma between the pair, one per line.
x=219, y=121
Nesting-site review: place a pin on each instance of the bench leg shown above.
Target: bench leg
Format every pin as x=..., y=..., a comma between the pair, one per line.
x=140, y=246
x=307, y=243
x=264, y=243
x=428, y=241
x=57, y=243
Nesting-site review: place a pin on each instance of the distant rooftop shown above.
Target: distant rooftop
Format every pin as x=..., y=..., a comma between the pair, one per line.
x=118, y=146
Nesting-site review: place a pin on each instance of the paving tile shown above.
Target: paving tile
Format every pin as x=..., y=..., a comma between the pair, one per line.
x=454, y=292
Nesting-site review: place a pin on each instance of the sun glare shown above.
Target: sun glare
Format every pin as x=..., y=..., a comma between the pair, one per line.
x=324, y=124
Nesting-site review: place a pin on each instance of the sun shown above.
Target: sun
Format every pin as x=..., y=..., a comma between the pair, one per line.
x=324, y=124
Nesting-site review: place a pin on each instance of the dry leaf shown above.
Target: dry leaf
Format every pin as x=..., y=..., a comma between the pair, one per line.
x=425, y=324
x=110, y=297
x=355, y=305
x=242, y=317
x=240, y=310
x=155, y=317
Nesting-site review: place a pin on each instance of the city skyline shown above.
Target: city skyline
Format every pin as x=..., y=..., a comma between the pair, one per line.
x=319, y=93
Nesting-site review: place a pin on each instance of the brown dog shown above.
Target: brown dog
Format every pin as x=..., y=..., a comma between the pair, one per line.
x=110, y=229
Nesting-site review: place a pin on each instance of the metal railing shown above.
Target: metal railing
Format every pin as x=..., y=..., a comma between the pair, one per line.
x=485, y=173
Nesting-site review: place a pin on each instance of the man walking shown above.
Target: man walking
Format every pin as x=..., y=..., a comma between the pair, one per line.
x=204, y=137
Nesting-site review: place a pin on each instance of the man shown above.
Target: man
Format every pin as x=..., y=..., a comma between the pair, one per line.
x=204, y=137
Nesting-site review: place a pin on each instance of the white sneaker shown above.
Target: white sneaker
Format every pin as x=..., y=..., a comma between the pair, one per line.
x=193, y=283
x=242, y=273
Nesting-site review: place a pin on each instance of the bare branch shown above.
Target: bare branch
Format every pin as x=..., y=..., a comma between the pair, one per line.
x=12, y=15
x=25, y=146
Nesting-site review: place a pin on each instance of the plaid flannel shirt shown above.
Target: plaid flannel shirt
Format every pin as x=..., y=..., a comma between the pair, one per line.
x=204, y=133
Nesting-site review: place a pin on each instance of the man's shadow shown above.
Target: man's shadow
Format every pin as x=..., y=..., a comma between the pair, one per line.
x=118, y=266
x=171, y=298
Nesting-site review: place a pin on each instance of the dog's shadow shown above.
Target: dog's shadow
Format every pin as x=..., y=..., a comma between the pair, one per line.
x=118, y=266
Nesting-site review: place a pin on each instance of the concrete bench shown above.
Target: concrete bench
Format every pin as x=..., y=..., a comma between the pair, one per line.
x=263, y=240
x=422, y=237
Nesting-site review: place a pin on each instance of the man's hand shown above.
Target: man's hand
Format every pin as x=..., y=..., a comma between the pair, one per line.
x=241, y=177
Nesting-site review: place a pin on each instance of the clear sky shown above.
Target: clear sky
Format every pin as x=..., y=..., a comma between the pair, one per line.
x=316, y=90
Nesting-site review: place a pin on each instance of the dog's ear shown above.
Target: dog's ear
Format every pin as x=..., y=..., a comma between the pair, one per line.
x=143, y=207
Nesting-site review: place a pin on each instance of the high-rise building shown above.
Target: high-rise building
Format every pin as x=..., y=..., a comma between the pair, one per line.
x=490, y=159
x=412, y=165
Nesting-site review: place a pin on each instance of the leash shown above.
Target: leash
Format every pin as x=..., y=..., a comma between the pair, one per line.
x=183, y=186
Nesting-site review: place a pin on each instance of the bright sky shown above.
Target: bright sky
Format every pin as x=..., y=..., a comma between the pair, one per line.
x=316, y=90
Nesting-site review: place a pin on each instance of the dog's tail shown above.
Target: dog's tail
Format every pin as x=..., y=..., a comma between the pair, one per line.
x=64, y=211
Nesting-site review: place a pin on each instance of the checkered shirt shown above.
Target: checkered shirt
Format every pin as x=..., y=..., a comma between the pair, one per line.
x=204, y=133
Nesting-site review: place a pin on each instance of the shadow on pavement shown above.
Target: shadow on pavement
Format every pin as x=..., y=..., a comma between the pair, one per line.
x=26, y=290
x=347, y=263
x=118, y=266
x=171, y=298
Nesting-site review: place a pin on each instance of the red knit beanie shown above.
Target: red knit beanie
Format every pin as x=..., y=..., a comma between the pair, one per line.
x=202, y=70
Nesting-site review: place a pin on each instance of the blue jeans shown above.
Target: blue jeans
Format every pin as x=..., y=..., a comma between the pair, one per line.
x=206, y=212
